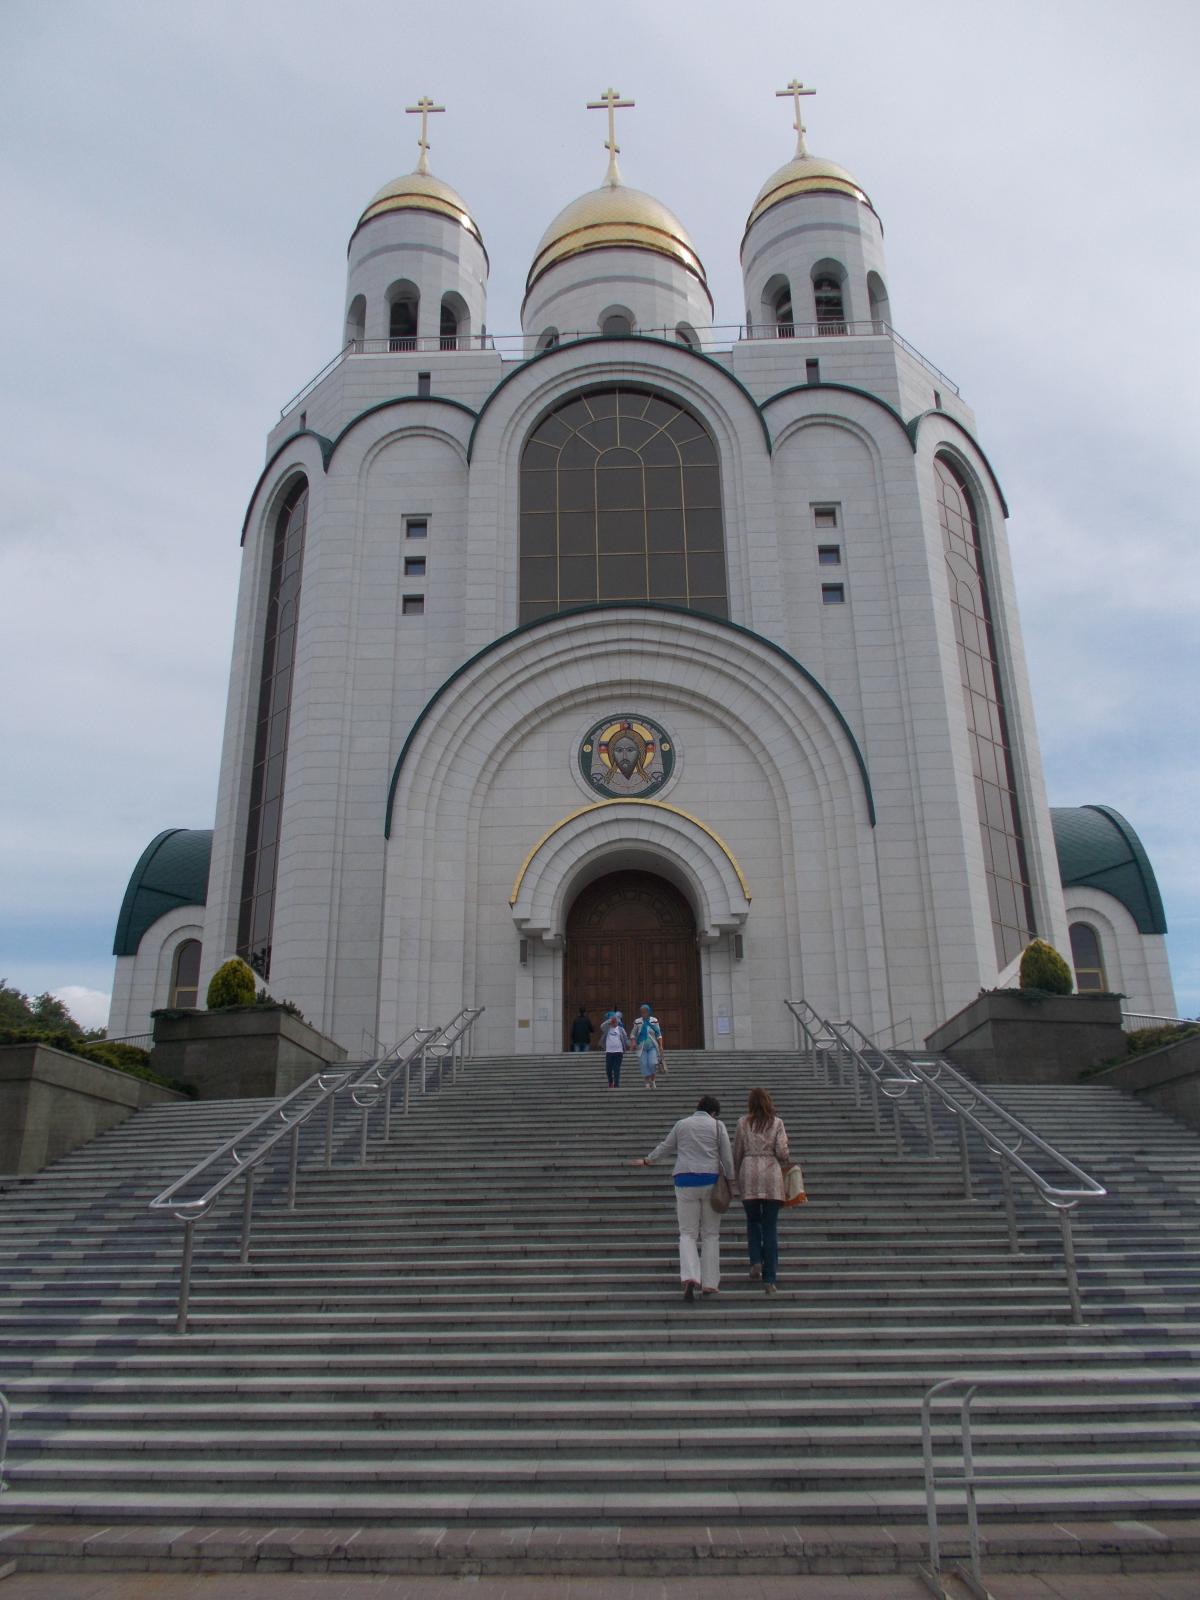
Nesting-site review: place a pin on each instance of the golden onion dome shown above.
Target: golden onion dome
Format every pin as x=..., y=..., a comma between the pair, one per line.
x=805, y=174
x=615, y=218
x=421, y=191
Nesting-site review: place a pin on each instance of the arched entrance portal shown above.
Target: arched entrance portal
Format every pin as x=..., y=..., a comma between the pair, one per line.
x=631, y=936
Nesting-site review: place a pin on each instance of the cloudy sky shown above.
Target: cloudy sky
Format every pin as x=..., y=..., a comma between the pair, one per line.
x=179, y=181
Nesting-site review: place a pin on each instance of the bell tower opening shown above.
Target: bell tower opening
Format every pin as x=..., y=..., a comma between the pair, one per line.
x=631, y=937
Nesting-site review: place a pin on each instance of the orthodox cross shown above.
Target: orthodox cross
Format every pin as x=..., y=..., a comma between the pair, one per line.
x=793, y=92
x=611, y=101
x=423, y=109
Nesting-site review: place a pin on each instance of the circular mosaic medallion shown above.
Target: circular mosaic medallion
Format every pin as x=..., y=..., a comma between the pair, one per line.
x=626, y=756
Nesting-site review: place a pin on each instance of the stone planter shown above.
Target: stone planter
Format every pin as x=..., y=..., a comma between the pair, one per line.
x=51, y=1102
x=240, y=1055
x=1004, y=1038
x=1168, y=1078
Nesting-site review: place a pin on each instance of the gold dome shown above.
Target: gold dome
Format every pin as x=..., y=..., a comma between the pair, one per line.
x=805, y=174
x=421, y=191
x=614, y=217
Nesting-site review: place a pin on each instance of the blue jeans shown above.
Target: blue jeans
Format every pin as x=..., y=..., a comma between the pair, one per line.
x=580, y=1049
x=762, y=1235
x=612, y=1068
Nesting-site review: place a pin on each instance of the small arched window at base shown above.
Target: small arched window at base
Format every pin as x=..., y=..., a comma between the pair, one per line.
x=1087, y=959
x=616, y=323
x=548, y=339
x=185, y=976
x=686, y=335
x=356, y=321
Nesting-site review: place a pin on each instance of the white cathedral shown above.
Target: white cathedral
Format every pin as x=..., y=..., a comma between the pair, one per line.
x=633, y=658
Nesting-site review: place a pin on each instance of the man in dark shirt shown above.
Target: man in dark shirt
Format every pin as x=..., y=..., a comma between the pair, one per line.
x=582, y=1030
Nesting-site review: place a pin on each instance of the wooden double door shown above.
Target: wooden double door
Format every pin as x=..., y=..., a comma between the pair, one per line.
x=631, y=937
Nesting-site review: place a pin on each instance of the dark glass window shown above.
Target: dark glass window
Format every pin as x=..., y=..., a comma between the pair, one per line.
x=1087, y=959
x=414, y=566
x=825, y=516
x=402, y=325
x=829, y=555
x=987, y=726
x=416, y=527
x=185, y=975
x=448, y=328
x=831, y=314
x=621, y=500
x=413, y=605
x=785, y=321
x=257, y=908
x=833, y=594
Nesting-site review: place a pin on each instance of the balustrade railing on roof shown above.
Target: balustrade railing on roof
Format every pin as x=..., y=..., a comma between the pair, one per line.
x=520, y=346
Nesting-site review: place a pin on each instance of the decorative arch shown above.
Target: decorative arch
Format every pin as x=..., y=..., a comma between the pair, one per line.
x=646, y=833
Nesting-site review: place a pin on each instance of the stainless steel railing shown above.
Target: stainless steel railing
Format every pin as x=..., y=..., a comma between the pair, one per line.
x=193, y=1195
x=1015, y=1147
x=5, y=1419
x=970, y=1476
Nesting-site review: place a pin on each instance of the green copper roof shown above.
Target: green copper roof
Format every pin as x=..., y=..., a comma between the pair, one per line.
x=1097, y=847
x=172, y=871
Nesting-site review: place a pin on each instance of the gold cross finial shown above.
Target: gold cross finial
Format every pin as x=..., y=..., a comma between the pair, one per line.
x=610, y=101
x=793, y=92
x=424, y=108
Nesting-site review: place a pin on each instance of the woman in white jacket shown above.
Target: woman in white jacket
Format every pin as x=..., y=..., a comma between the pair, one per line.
x=702, y=1152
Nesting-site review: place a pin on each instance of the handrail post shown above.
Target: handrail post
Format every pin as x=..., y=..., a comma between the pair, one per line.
x=247, y=1215
x=1068, y=1241
x=185, y=1276
x=387, y=1111
x=875, y=1105
x=293, y=1163
x=969, y=1482
x=896, y=1127
x=929, y=1135
x=329, y=1133
x=1010, y=1210
x=5, y=1417
x=931, y=1510
x=964, y=1156
x=362, y=1138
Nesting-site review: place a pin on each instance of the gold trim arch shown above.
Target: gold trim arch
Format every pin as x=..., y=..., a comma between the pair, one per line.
x=614, y=833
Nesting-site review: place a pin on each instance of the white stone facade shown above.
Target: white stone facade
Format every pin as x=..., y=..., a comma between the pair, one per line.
x=821, y=819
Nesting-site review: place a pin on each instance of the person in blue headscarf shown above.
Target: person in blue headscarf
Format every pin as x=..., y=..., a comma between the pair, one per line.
x=646, y=1039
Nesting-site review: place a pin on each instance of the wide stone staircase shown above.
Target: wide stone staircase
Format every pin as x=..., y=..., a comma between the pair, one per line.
x=472, y=1353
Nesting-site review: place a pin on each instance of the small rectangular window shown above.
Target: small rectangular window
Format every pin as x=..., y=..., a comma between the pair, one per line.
x=414, y=566
x=424, y=384
x=833, y=594
x=937, y=399
x=825, y=516
x=413, y=605
x=829, y=555
x=416, y=527
x=812, y=371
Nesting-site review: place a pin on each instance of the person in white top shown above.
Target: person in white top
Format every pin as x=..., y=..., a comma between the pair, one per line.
x=702, y=1152
x=616, y=1042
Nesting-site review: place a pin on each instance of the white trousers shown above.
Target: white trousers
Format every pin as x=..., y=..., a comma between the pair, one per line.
x=699, y=1237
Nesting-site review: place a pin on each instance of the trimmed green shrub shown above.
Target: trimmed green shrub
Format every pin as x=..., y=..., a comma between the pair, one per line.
x=105, y=1053
x=1043, y=968
x=1143, y=1039
x=232, y=985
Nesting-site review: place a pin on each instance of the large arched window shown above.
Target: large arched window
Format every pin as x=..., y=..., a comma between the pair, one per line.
x=829, y=303
x=257, y=908
x=185, y=975
x=404, y=306
x=621, y=500
x=1087, y=959
x=987, y=726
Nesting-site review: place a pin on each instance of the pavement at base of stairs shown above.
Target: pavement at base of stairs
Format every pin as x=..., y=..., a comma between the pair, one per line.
x=297, y=1586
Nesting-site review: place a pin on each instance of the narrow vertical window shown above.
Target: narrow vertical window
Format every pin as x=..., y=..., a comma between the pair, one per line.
x=402, y=325
x=1087, y=959
x=785, y=322
x=257, y=908
x=830, y=309
x=987, y=724
x=185, y=975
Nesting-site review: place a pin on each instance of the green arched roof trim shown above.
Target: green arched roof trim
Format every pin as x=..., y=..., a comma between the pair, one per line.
x=1098, y=848
x=846, y=388
x=398, y=400
x=625, y=340
x=627, y=605
x=913, y=428
x=172, y=871
x=326, y=446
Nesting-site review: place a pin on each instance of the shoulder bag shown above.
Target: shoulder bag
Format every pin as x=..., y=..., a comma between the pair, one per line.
x=721, y=1194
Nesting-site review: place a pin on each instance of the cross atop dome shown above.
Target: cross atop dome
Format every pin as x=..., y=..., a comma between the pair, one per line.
x=424, y=108
x=793, y=92
x=611, y=101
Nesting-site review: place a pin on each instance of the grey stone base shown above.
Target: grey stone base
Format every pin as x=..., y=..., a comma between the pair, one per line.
x=1005, y=1038
x=240, y=1055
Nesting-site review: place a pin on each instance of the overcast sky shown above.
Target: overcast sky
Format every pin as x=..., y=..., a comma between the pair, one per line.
x=179, y=182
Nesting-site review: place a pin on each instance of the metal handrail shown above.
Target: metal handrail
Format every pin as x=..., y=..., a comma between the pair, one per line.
x=719, y=337
x=956, y=1094
x=5, y=1420
x=969, y=1476
x=367, y=1084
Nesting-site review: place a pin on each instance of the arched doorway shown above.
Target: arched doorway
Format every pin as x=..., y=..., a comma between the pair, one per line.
x=631, y=936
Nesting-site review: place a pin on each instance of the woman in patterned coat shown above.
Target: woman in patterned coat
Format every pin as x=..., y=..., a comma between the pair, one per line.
x=760, y=1158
